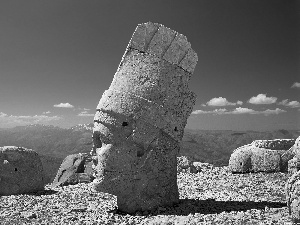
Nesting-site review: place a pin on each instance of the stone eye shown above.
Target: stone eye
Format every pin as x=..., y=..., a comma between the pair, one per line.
x=124, y=124
x=16, y=169
x=175, y=129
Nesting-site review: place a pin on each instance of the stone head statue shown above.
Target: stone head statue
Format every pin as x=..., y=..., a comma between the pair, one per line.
x=140, y=119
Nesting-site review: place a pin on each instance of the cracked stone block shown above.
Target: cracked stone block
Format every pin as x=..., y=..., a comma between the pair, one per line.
x=262, y=156
x=161, y=41
x=142, y=36
x=21, y=171
x=140, y=121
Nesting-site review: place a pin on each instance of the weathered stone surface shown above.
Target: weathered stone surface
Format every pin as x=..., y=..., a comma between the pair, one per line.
x=184, y=164
x=276, y=144
x=140, y=120
x=262, y=156
x=293, y=196
x=21, y=171
x=76, y=168
x=293, y=165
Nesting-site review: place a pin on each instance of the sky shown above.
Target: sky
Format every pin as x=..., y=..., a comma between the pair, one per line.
x=58, y=57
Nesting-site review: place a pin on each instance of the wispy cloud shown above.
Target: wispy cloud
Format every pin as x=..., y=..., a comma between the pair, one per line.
x=63, y=105
x=262, y=99
x=85, y=113
x=11, y=121
x=48, y=112
x=220, y=101
x=291, y=104
x=240, y=110
x=296, y=85
x=85, y=109
x=2, y=114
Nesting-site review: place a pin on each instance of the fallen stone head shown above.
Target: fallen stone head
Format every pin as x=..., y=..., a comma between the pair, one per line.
x=21, y=171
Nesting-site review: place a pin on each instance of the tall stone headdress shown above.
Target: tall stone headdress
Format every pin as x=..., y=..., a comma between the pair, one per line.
x=140, y=119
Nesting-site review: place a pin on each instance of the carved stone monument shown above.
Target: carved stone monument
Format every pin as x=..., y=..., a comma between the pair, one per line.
x=141, y=118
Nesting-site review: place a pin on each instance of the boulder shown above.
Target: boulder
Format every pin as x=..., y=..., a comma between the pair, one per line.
x=184, y=164
x=140, y=120
x=76, y=168
x=21, y=171
x=262, y=156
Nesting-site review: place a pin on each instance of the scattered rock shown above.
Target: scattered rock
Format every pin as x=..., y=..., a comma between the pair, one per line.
x=21, y=171
x=76, y=168
x=184, y=164
x=140, y=119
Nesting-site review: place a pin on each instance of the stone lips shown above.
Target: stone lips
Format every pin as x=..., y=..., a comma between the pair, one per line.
x=262, y=156
x=21, y=171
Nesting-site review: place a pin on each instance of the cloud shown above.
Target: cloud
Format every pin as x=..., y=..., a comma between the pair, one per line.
x=63, y=105
x=291, y=104
x=240, y=110
x=2, y=114
x=296, y=85
x=216, y=111
x=12, y=121
x=220, y=101
x=85, y=109
x=262, y=99
x=85, y=113
x=46, y=112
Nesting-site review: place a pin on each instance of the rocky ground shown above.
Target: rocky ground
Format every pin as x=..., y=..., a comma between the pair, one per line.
x=213, y=196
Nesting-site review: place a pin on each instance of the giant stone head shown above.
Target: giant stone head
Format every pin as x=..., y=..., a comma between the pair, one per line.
x=140, y=119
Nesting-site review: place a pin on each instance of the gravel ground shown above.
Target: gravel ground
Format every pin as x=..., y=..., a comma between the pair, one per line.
x=213, y=196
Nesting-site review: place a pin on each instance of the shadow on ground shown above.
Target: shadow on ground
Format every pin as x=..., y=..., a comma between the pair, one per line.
x=43, y=192
x=210, y=206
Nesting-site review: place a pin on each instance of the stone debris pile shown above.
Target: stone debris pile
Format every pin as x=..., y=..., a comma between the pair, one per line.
x=141, y=118
x=21, y=171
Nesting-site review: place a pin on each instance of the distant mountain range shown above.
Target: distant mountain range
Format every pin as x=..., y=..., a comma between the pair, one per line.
x=53, y=143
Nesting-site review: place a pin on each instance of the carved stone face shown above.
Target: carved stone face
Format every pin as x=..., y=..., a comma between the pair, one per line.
x=135, y=162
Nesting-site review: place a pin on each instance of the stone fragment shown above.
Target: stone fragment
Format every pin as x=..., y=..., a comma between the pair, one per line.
x=21, y=171
x=140, y=121
x=184, y=164
x=262, y=156
x=76, y=168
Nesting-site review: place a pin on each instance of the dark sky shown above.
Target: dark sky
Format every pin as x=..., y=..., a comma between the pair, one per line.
x=67, y=51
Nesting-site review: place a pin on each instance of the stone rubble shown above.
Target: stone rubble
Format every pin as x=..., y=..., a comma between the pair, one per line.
x=213, y=196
